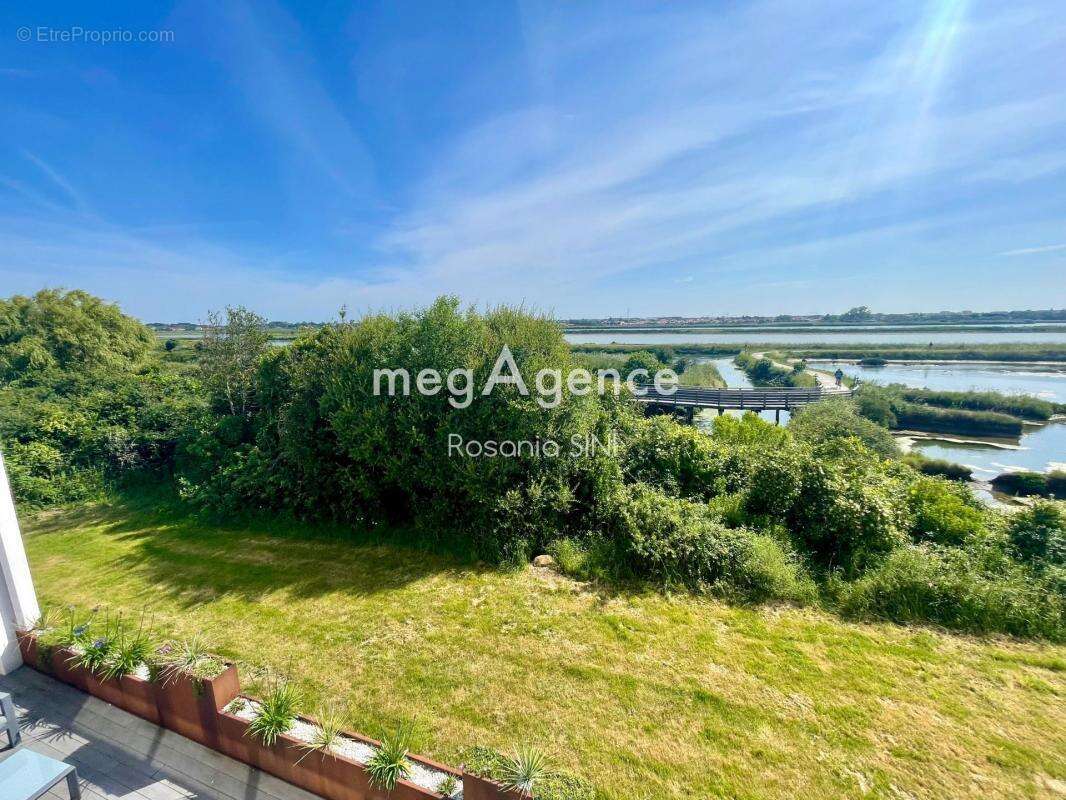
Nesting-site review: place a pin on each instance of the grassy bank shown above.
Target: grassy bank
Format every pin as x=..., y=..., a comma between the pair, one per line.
x=1015, y=405
x=766, y=372
x=645, y=695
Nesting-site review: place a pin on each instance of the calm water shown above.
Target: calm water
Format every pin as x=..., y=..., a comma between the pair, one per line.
x=1041, y=448
x=894, y=336
x=735, y=379
x=1047, y=383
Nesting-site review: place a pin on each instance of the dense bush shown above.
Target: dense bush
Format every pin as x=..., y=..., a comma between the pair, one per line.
x=889, y=406
x=1050, y=484
x=1038, y=534
x=1017, y=405
x=325, y=446
x=753, y=511
x=914, y=416
x=936, y=466
x=945, y=513
x=851, y=508
x=764, y=372
x=681, y=460
x=83, y=404
x=838, y=418
x=678, y=542
x=952, y=587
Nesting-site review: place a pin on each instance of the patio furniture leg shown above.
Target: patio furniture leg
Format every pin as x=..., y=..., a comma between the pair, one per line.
x=11, y=720
x=72, y=785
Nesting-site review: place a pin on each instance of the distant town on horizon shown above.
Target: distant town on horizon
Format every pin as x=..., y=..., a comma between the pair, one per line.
x=861, y=315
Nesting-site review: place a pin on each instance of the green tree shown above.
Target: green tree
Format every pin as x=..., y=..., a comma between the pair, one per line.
x=642, y=359
x=229, y=362
x=58, y=331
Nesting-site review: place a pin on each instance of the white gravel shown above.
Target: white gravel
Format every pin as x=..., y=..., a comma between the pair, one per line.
x=360, y=752
x=142, y=672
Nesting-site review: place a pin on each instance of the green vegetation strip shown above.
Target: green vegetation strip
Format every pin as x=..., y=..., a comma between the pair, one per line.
x=896, y=352
x=644, y=694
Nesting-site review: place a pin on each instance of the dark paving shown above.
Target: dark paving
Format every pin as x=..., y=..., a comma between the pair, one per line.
x=122, y=757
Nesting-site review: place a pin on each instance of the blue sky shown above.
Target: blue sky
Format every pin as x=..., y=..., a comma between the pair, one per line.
x=578, y=157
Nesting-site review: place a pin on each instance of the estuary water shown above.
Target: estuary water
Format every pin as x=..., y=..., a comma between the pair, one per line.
x=887, y=336
x=1041, y=448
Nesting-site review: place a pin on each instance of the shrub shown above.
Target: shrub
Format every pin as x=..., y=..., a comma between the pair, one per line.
x=132, y=649
x=939, y=467
x=524, y=771
x=679, y=459
x=874, y=405
x=276, y=714
x=390, y=763
x=1021, y=483
x=678, y=542
x=956, y=420
x=837, y=418
x=1038, y=534
x=1017, y=405
x=947, y=586
x=944, y=512
x=851, y=507
x=553, y=785
x=774, y=480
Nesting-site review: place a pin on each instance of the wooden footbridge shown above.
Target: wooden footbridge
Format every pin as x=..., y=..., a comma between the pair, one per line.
x=690, y=399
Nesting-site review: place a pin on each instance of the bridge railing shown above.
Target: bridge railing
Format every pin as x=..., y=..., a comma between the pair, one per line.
x=754, y=399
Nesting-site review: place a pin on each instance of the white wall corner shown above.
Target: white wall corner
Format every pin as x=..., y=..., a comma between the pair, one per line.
x=18, y=598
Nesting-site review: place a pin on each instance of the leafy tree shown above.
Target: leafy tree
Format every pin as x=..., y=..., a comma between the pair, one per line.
x=232, y=348
x=642, y=359
x=170, y=344
x=57, y=332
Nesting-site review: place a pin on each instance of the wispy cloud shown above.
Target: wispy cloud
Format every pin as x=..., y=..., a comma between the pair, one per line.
x=1025, y=251
x=763, y=156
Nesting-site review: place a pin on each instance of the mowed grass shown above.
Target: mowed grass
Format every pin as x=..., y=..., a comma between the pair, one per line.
x=647, y=696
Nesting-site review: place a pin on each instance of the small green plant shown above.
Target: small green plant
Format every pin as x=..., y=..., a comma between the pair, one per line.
x=389, y=764
x=276, y=714
x=76, y=632
x=522, y=771
x=448, y=786
x=236, y=705
x=188, y=657
x=131, y=649
x=93, y=652
x=49, y=618
x=326, y=734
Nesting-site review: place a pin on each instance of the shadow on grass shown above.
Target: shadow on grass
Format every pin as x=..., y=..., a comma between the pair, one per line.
x=194, y=559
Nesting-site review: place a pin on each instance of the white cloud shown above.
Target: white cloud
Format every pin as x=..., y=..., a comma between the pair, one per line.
x=1048, y=248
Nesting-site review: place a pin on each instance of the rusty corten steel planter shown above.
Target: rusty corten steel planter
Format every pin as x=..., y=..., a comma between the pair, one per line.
x=28, y=649
x=107, y=689
x=330, y=775
x=232, y=739
x=190, y=706
x=477, y=788
x=285, y=759
x=127, y=692
x=64, y=668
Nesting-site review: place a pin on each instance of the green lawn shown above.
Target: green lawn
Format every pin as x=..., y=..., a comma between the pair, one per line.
x=647, y=696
